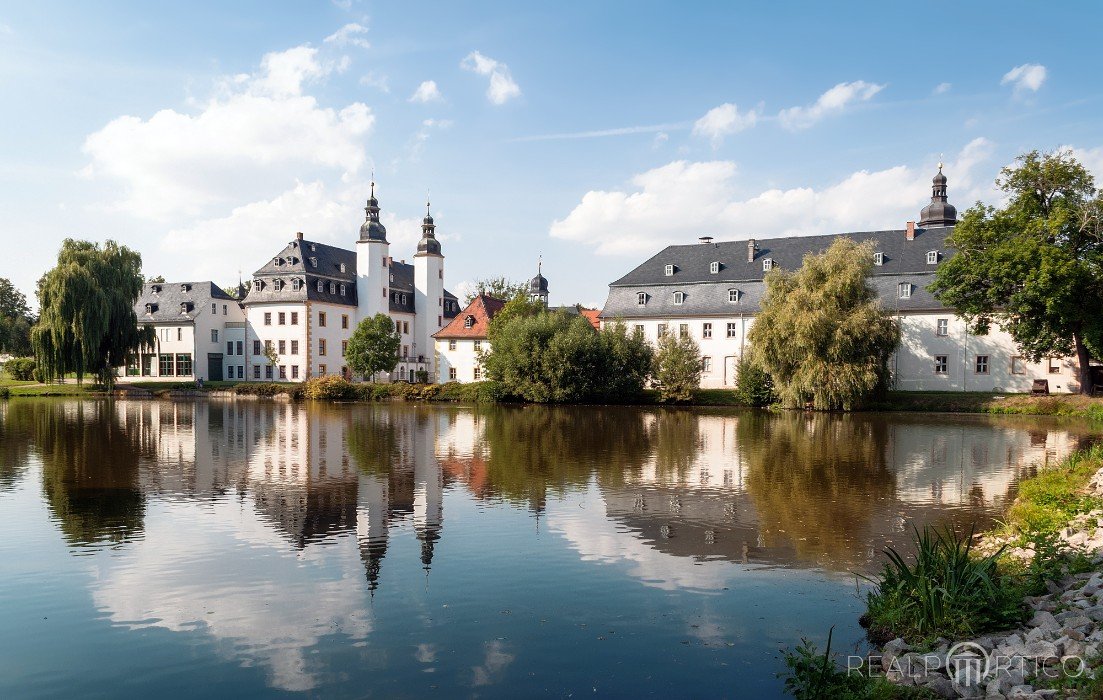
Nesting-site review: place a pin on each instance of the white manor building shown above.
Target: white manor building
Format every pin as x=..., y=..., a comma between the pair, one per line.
x=302, y=306
x=711, y=291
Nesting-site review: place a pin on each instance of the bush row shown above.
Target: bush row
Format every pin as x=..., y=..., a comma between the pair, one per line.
x=20, y=368
x=334, y=388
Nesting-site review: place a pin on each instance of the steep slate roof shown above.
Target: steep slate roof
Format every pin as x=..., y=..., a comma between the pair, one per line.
x=167, y=302
x=307, y=261
x=706, y=294
x=402, y=281
x=482, y=308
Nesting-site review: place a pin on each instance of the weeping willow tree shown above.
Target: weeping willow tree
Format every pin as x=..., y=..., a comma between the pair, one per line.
x=821, y=333
x=87, y=323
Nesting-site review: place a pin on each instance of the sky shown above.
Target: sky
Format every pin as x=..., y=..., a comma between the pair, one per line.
x=591, y=135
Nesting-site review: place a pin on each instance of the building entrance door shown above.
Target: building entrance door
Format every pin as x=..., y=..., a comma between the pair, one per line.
x=214, y=366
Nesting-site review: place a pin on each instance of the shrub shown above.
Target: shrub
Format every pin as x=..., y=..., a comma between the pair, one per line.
x=329, y=388
x=5, y=392
x=677, y=370
x=20, y=368
x=811, y=675
x=946, y=592
x=754, y=386
x=295, y=391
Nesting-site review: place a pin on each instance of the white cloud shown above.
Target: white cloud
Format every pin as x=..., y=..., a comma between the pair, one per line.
x=831, y=102
x=351, y=34
x=502, y=87
x=660, y=138
x=942, y=88
x=252, y=137
x=1028, y=76
x=723, y=121
x=427, y=92
x=680, y=201
x=1090, y=158
x=376, y=80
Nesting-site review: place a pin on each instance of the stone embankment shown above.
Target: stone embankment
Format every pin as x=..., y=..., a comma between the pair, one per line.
x=1063, y=637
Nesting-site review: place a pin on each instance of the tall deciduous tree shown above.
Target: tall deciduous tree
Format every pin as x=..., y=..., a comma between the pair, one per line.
x=15, y=320
x=1034, y=266
x=87, y=323
x=821, y=333
x=677, y=367
x=373, y=347
x=498, y=287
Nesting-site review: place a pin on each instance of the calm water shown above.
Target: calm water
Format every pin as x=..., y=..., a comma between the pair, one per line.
x=254, y=548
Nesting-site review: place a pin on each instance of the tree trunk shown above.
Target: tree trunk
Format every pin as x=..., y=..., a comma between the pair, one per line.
x=1083, y=366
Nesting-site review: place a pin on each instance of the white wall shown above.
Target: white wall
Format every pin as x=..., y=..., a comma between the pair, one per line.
x=464, y=359
x=288, y=332
x=723, y=351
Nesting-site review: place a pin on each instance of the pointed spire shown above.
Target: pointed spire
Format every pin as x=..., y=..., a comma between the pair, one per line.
x=372, y=229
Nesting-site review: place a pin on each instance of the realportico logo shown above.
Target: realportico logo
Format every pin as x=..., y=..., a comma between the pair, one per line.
x=969, y=664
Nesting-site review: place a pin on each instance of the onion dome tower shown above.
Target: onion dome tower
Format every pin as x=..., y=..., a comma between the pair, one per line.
x=939, y=212
x=372, y=229
x=429, y=245
x=538, y=286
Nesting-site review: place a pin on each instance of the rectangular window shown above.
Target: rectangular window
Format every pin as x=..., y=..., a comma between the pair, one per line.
x=256, y=347
x=268, y=346
x=932, y=257
x=241, y=371
x=214, y=335
x=731, y=330
x=683, y=330
x=406, y=327
x=451, y=345
x=878, y=258
x=714, y=267
x=668, y=270
x=344, y=320
x=294, y=371
x=452, y=373
x=294, y=318
x=706, y=364
x=639, y=328
x=283, y=347
x=268, y=318
x=478, y=345
x=268, y=371
x=344, y=347
x=733, y=295
x=641, y=298
x=397, y=326
x=281, y=318
x=1018, y=365
x=1054, y=365
x=165, y=366
x=321, y=370
x=240, y=347
x=321, y=319
x=223, y=309
x=321, y=285
x=294, y=347
x=405, y=350
x=283, y=371
x=982, y=364
x=179, y=333
x=943, y=327
x=229, y=347
x=256, y=371
x=214, y=308
x=706, y=330
x=478, y=373
x=679, y=297
x=662, y=330
x=183, y=364
x=342, y=288
x=941, y=364
x=905, y=290
x=321, y=346
x=767, y=264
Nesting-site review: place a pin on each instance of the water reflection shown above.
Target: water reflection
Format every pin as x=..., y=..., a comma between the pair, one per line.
x=276, y=528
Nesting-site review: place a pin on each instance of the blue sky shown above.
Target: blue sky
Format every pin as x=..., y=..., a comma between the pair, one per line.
x=592, y=134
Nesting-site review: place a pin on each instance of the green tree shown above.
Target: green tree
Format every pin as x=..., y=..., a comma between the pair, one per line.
x=87, y=323
x=554, y=357
x=498, y=287
x=158, y=279
x=821, y=333
x=677, y=371
x=1034, y=266
x=15, y=320
x=373, y=347
x=519, y=306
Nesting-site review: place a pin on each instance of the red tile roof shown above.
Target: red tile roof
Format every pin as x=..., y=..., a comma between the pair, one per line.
x=592, y=316
x=481, y=309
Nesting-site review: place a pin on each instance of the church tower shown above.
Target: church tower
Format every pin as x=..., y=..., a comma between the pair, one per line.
x=538, y=286
x=428, y=292
x=372, y=259
x=939, y=212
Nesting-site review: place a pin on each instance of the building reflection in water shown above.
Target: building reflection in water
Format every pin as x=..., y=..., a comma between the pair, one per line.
x=257, y=503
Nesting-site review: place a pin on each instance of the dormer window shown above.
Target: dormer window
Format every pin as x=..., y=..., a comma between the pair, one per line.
x=278, y=285
x=277, y=262
x=679, y=297
x=733, y=296
x=321, y=286
x=156, y=289
x=150, y=308
x=313, y=247
x=342, y=288
x=714, y=267
x=403, y=299
x=878, y=258
x=668, y=270
x=641, y=298
x=185, y=288
x=767, y=264
x=469, y=321
x=258, y=284
x=905, y=290
x=314, y=262
x=342, y=267
x=185, y=307
x=932, y=257
x=296, y=284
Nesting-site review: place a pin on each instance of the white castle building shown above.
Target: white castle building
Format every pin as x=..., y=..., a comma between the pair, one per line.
x=711, y=292
x=301, y=309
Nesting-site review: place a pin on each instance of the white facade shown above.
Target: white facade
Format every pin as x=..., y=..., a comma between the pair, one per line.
x=458, y=359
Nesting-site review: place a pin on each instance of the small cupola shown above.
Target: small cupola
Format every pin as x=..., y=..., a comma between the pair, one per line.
x=429, y=245
x=372, y=229
x=939, y=212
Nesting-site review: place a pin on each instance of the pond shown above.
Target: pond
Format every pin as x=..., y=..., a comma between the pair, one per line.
x=264, y=548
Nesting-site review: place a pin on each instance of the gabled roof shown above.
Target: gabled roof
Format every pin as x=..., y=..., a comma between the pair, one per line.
x=481, y=310
x=309, y=262
x=166, y=299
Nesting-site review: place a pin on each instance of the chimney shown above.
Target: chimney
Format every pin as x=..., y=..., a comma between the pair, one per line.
x=298, y=235
x=910, y=235
x=705, y=239
x=751, y=248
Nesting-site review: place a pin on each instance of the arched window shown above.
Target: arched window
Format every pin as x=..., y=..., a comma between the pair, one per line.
x=321, y=286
